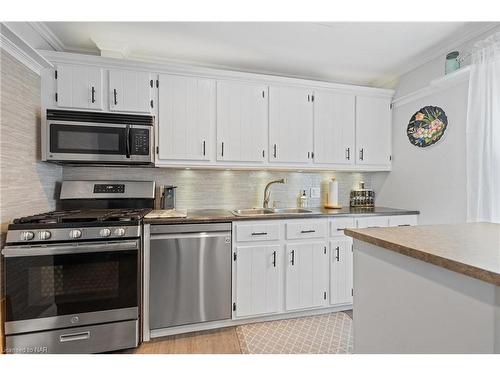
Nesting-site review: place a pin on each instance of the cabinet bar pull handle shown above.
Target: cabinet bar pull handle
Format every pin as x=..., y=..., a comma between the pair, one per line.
x=341, y=229
x=222, y=152
x=348, y=153
x=308, y=231
x=361, y=154
x=274, y=152
x=274, y=258
x=93, y=94
x=114, y=96
x=404, y=225
x=259, y=233
x=338, y=254
x=308, y=154
x=204, y=149
x=293, y=257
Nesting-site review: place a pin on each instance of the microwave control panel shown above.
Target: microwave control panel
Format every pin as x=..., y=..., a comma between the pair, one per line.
x=140, y=142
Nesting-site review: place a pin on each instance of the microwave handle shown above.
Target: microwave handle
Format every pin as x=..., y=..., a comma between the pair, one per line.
x=127, y=141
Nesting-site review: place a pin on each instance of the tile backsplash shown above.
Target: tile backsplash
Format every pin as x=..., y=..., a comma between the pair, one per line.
x=229, y=189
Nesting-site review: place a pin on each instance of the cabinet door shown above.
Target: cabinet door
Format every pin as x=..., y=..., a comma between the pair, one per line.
x=290, y=125
x=130, y=91
x=257, y=280
x=79, y=87
x=186, y=117
x=373, y=131
x=333, y=127
x=341, y=271
x=306, y=275
x=241, y=122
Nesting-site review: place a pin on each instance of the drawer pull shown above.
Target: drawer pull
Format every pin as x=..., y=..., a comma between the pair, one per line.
x=341, y=229
x=373, y=227
x=293, y=258
x=404, y=225
x=338, y=253
x=259, y=233
x=75, y=336
x=308, y=231
x=274, y=258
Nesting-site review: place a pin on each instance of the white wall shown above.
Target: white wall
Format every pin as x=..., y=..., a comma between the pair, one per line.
x=432, y=179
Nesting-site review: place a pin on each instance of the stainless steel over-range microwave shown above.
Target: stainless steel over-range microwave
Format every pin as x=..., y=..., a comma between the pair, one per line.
x=96, y=137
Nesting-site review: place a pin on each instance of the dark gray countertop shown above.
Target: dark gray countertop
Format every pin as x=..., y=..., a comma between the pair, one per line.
x=218, y=215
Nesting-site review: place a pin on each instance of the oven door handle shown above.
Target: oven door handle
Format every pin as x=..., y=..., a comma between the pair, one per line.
x=102, y=247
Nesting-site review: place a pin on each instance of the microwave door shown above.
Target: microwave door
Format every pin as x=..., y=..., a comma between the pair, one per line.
x=99, y=143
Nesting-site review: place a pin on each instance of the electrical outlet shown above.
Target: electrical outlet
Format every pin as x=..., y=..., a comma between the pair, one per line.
x=315, y=192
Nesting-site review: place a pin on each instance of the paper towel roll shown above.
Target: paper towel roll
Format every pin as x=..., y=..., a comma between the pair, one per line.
x=333, y=193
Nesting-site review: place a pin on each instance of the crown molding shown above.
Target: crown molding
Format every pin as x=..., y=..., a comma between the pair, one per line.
x=22, y=51
x=197, y=71
x=466, y=34
x=46, y=33
x=436, y=85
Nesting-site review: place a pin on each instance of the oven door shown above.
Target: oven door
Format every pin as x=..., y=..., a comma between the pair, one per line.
x=99, y=143
x=66, y=285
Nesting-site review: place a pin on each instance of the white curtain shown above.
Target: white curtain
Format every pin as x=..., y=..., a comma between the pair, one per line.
x=483, y=133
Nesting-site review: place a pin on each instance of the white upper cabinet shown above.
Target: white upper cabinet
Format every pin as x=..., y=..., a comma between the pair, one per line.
x=242, y=119
x=290, y=125
x=373, y=131
x=334, y=125
x=79, y=86
x=186, y=117
x=130, y=91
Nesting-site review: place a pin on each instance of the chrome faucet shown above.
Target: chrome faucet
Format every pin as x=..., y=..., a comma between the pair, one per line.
x=267, y=191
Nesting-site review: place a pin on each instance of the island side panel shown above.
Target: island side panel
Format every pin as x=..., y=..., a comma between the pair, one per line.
x=404, y=305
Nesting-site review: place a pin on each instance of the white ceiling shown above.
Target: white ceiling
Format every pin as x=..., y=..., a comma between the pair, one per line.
x=364, y=53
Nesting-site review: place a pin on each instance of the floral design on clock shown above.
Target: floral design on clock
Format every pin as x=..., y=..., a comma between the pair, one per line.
x=427, y=126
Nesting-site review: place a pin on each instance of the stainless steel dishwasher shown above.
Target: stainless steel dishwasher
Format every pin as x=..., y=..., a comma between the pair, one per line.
x=190, y=274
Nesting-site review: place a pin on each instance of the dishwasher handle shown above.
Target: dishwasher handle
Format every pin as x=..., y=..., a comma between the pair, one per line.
x=179, y=236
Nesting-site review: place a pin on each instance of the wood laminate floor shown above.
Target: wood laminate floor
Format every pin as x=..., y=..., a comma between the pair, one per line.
x=219, y=341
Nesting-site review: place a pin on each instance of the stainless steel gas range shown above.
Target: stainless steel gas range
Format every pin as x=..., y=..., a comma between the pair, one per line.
x=72, y=276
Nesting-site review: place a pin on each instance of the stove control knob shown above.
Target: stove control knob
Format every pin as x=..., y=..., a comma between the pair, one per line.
x=44, y=235
x=26, y=236
x=119, y=232
x=75, y=233
x=105, y=232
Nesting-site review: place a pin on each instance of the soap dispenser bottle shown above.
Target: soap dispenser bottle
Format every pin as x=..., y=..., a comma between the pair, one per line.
x=303, y=200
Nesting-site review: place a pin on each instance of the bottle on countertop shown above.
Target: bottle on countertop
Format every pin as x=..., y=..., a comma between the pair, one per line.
x=303, y=201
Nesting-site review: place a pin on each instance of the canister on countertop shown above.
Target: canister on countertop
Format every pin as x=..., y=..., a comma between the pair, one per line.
x=362, y=197
x=333, y=194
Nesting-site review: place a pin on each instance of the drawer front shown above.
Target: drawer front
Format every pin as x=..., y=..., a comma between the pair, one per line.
x=80, y=340
x=258, y=232
x=338, y=225
x=310, y=228
x=372, y=222
x=402, y=220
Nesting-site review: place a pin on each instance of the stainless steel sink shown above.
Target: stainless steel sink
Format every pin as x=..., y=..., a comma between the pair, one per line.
x=270, y=211
x=252, y=212
x=291, y=211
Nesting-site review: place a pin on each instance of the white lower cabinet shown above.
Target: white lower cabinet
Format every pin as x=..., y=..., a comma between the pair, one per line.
x=306, y=277
x=257, y=280
x=296, y=265
x=341, y=271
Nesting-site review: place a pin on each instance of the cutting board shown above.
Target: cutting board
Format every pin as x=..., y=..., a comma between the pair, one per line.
x=165, y=214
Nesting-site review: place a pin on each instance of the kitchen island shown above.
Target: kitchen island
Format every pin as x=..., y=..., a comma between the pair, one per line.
x=427, y=289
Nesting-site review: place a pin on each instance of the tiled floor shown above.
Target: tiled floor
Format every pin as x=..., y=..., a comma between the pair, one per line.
x=320, y=334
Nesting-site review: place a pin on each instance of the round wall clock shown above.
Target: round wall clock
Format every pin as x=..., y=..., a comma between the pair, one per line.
x=427, y=126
